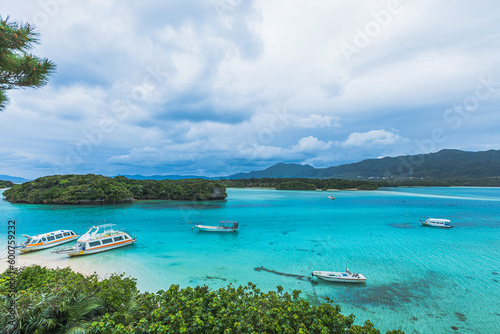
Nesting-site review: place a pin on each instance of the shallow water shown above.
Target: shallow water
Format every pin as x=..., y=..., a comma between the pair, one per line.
x=420, y=279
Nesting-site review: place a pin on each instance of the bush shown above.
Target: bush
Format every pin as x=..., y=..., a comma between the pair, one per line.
x=60, y=300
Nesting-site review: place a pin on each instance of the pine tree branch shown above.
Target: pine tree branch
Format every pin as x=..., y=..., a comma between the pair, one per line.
x=18, y=68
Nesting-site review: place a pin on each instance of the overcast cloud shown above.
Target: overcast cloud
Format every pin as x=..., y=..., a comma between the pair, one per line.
x=225, y=86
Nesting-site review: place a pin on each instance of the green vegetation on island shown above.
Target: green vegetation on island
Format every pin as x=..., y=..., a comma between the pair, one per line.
x=98, y=189
x=295, y=185
x=183, y=189
x=5, y=184
x=69, y=189
x=62, y=301
x=299, y=183
x=414, y=182
x=313, y=184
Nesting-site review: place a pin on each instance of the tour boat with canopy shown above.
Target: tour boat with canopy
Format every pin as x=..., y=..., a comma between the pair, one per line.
x=98, y=239
x=46, y=240
x=437, y=222
x=224, y=226
x=344, y=277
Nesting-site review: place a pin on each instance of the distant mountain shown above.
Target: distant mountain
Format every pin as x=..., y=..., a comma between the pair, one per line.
x=439, y=165
x=14, y=179
x=163, y=177
x=280, y=170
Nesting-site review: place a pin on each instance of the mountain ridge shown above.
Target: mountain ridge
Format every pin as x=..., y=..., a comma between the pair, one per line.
x=447, y=163
x=14, y=179
x=276, y=170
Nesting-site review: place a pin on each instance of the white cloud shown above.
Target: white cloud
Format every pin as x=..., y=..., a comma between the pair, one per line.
x=311, y=144
x=244, y=82
x=304, y=148
x=316, y=121
x=371, y=138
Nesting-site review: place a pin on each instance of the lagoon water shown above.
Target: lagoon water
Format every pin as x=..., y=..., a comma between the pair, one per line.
x=420, y=279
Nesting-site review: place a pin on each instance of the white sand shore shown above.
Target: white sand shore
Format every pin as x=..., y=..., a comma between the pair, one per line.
x=53, y=261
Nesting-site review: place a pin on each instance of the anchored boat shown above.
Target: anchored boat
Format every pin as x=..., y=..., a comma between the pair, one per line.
x=46, y=240
x=98, y=239
x=345, y=277
x=224, y=226
x=436, y=222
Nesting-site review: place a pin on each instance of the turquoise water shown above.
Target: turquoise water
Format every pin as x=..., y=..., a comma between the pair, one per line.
x=420, y=279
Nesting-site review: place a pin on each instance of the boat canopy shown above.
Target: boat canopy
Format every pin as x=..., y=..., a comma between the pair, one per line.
x=100, y=228
x=105, y=225
x=438, y=220
x=230, y=224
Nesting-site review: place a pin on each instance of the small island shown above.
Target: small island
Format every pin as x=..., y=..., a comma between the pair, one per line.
x=5, y=184
x=99, y=189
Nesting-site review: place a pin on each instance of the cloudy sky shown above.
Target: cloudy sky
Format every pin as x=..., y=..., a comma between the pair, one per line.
x=224, y=86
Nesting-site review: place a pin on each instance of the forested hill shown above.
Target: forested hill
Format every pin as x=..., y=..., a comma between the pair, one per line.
x=280, y=170
x=445, y=164
x=98, y=189
x=5, y=184
x=300, y=184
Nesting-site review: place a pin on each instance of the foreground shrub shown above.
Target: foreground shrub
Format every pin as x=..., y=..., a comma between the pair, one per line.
x=62, y=301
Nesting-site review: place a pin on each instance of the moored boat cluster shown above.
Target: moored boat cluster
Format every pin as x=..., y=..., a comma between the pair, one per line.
x=97, y=239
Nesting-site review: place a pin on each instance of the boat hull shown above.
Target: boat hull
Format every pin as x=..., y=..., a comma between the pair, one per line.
x=48, y=245
x=214, y=229
x=436, y=225
x=339, y=277
x=100, y=249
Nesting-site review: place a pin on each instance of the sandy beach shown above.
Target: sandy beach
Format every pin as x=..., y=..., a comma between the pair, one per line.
x=53, y=261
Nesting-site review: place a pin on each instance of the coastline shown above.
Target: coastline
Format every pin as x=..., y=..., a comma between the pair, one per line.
x=274, y=188
x=52, y=262
x=347, y=189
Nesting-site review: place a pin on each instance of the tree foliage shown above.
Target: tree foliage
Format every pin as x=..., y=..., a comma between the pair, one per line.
x=311, y=184
x=52, y=301
x=299, y=183
x=18, y=67
x=98, y=189
x=5, y=184
x=453, y=182
x=183, y=189
x=295, y=185
x=60, y=300
x=69, y=189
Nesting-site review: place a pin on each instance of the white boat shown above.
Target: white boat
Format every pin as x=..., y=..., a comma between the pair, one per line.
x=98, y=239
x=46, y=240
x=345, y=277
x=436, y=222
x=224, y=226
x=331, y=197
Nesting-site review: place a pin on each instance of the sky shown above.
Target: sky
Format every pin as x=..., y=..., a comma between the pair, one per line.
x=224, y=86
